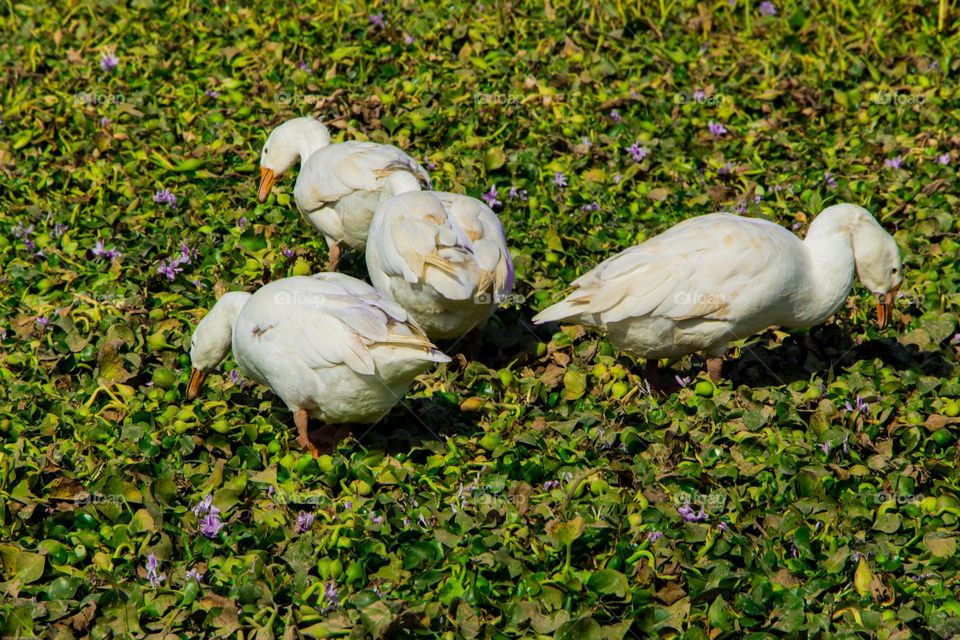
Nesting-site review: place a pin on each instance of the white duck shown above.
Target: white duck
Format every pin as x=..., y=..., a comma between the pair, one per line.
x=443, y=257
x=331, y=346
x=339, y=185
x=717, y=278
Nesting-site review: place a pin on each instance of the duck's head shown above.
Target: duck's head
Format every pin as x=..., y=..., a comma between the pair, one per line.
x=291, y=141
x=875, y=255
x=211, y=339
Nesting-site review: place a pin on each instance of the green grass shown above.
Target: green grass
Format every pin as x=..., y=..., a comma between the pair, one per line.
x=522, y=495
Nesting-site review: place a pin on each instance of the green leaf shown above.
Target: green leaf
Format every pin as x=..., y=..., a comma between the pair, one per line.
x=609, y=582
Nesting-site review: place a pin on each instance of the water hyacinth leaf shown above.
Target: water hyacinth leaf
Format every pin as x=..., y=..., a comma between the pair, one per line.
x=609, y=582
x=940, y=546
x=22, y=566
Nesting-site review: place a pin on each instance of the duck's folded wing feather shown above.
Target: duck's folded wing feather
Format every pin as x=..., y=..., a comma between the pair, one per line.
x=694, y=270
x=335, y=172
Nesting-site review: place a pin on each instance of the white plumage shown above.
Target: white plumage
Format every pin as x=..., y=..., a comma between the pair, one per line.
x=718, y=278
x=443, y=257
x=330, y=346
x=339, y=185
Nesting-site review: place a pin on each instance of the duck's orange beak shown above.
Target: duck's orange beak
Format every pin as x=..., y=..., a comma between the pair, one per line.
x=196, y=381
x=885, y=308
x=266, y=181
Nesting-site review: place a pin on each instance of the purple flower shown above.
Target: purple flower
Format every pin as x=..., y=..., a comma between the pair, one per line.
x=205, y=506
x=375, y=519
x=242, y=222
x=288, y=252
x=235, y=376
x=304, y=521
x=894, y=163
x=303, y=66
x=683, y=382
x=376, y=19
x=689, y=515
x=593, y=206
x=617, y=178
x=490, y=197
x=105, y=121
x=861, y=405
x=332, y=595
x=757, y=198
x=768, y=8
x=109, y=62
x=165, y=196
x=559, y=180
x=348, y=505
x=407, y=39
x=856, y=556
x=211, y=93
x=194, y=575
x=653, y=536
x=934, y=66
x=716, y=128
x=152, y=575
x=170, y=270
x=100, y=251
x=551, y=484
x=826, y=448
x=615, y=116
x=21, y=231
x=831, y=183
x=637, y=152
x=517, y=193
x=794, y=551
x=43, y=321
x=58, y=230
x=722, y=527
x=699, y=96
x=211, y=524
x=944, y=158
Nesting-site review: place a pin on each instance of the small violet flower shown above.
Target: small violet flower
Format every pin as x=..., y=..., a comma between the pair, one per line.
x=165, y=196
x=109, y=62
x=559, y=179
x=768, y=8
x=152, y=575
x=716, y=128
x=893, y=163
x=194, y=575
x=689, y=515
x=829, y=180
x=637, y=152
x=304, y=521
x=653, y=536
x=376, y=19
x=615, y=116
x=490, y=197
x=944, y=158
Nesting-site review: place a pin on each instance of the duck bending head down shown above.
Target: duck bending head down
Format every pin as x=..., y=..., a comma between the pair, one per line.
x=714, y=279
x=330, y=346
x=339, y=186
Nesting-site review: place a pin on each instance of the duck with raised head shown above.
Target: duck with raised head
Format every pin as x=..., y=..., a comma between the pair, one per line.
x=714, y=279
x=339, y=185
x=330, y=346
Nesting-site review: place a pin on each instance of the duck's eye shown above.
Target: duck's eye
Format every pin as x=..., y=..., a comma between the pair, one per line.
x=894, y=271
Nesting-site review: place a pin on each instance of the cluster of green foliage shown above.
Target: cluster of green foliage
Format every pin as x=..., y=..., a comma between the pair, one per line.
x=537, y=490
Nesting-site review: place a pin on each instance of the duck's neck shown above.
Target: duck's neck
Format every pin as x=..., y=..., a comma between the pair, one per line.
x=830, y=272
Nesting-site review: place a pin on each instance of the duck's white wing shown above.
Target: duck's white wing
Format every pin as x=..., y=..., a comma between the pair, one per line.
x=327, y=320
x=699, y=268
x=338, y=170
x=482, y=228
x=451, y=242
